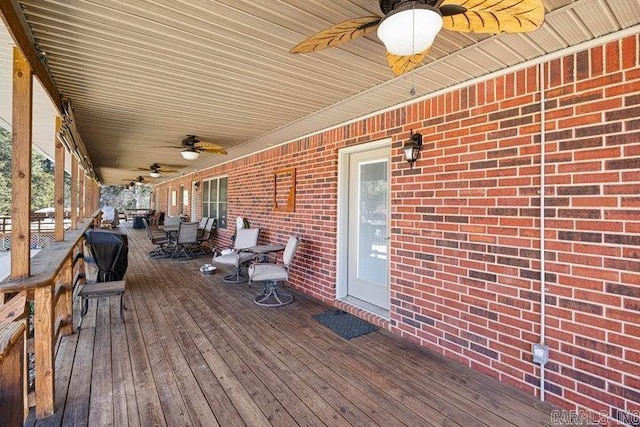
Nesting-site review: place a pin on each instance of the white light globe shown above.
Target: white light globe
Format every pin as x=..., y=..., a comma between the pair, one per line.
x=409, y=31
x=190, y=154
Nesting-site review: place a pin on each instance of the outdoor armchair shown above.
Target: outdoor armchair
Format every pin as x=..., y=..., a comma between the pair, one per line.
x=245, y=238
x=271, y=274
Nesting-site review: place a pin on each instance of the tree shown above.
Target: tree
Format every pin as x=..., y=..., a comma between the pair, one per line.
x=139, y=196
x=42, y=178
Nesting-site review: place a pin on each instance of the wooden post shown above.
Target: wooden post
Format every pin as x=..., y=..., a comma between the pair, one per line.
x=21, y=167
x=44, y=334
x=58, y=190
x=82, y=192
x=74, y=193
x=66, y=300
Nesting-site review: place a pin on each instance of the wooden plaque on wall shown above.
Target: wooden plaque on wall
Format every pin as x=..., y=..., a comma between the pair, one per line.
x=284, y=195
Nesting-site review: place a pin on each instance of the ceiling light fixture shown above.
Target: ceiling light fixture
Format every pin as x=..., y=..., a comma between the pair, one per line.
x=410, y=28
x=155, y=174
x=190, y=153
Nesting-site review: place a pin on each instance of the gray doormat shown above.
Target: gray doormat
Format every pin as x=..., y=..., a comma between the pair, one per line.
x=344, y=324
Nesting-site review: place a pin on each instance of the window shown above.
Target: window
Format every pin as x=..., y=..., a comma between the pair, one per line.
x=214, y=200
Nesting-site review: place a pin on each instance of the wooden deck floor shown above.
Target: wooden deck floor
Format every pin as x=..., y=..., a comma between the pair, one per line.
x=195, y=351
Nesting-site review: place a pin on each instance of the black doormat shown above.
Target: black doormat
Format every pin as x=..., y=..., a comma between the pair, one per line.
x=344, y=324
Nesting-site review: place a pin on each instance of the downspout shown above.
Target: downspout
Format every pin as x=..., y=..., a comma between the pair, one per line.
x=543, y=269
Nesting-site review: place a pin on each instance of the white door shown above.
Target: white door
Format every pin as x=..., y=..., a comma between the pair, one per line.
x=368, y=227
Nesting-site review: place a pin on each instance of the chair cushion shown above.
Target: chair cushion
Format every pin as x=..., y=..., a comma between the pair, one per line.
x=234, y=258
x=267, y=271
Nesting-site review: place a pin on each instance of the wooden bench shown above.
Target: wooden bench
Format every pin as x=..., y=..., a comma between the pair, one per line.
x=99, y=290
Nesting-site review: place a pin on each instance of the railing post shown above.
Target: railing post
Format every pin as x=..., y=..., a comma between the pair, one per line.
x=66, y=299
x=44, y=350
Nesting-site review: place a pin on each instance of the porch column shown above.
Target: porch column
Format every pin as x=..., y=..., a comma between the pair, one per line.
x=21, y=167
x=58, y=191
x=74, y=192
x=82, y=193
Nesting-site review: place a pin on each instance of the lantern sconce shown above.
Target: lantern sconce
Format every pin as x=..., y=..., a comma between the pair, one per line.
x=412, y=148
x=196, y=185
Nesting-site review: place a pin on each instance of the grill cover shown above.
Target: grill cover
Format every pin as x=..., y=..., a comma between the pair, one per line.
x=110, y=250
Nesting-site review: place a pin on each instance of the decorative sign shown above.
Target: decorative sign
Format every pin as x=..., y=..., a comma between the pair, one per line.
x=284, y=199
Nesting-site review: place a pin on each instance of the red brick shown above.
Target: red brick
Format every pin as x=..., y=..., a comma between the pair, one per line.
x=465, y=221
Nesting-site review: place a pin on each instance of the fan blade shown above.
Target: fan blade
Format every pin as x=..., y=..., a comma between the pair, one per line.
x=209, y=147
x=403, y=64
x=452, y=9
x=338, y=34
x=491, y=16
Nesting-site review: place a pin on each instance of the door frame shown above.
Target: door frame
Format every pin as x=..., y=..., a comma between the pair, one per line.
x=194, y=201
x=342, y=251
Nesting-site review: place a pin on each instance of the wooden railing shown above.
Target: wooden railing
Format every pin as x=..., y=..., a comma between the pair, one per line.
x=39, y=223
x=55, y=272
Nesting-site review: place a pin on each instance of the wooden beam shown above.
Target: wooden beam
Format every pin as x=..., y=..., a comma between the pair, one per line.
x=44, y=317
x=23, y=41
x=82, y=191
x=66, y=303
x=21, y=167
x=58, y=189
x=74, y=192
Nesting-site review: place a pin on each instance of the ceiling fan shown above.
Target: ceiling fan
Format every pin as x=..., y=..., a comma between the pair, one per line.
x=156, y=170
x=409, y=27
x=192, y=147
x=137, y=181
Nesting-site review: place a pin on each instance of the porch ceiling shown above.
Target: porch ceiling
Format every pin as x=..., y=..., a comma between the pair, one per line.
x=142, y=74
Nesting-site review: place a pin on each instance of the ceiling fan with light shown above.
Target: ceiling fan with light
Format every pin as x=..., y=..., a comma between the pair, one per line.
x=137, y=181
x=156, y=170
x=192, y=147
x=409, y=27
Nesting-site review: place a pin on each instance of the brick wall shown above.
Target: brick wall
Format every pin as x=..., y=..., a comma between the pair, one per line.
x=465, y=241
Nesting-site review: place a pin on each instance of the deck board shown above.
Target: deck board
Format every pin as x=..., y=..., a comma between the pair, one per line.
x=196, y=351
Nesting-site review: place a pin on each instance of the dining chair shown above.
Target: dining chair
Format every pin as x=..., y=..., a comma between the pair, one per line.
x=187, y=237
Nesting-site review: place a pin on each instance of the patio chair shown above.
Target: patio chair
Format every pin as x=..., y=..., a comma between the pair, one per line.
x=186, y=238
x=158, y=238
x=271, y=274
x=202, y=225
x=245, y=238
x=172, y=220
x=110, y=251
x=206, y=236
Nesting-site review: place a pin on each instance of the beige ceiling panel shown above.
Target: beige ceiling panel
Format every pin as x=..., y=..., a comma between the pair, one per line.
x=597, y=17
x=144, y=73
x=626, y=12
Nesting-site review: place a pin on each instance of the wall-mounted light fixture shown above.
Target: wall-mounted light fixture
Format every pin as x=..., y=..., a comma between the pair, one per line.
x=412, y=148
x=196, y=185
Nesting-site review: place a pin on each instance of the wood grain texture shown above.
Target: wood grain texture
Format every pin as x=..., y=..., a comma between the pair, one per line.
x=403, y=64
x=58, y=189
x=21, y=166
x=44, y=350
x=196, y=351
x=74, y=193
x=493, y=17
x=338, y=34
